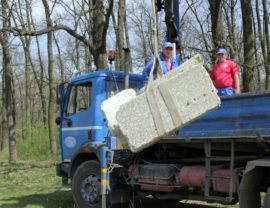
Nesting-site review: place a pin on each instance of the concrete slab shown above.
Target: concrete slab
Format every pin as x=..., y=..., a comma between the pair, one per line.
x=110, y=106
x=179, y=97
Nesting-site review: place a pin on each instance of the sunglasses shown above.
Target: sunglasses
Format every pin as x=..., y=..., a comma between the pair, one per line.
x=169, y=48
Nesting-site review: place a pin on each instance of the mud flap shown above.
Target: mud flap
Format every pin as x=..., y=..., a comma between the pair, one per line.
x=249, y=191
x=120, y=195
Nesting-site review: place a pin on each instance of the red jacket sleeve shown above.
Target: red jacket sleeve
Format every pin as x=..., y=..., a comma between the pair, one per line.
x=234, y=69
x=212, y=76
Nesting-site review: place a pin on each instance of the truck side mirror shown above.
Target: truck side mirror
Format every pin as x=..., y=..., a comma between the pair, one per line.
x=60, y=94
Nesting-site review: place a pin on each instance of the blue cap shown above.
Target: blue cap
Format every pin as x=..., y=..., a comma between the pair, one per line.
x=167, y=45
x=221, y=51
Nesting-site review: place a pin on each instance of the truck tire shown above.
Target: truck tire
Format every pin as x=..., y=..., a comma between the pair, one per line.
x=86, y=186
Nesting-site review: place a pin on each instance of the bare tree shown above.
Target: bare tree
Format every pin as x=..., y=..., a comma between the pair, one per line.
x=39, y=74
x=98, y=32
x=23, y=18
x=75, y=11
x=267, y=37
x=194, y=9
x=248, y=41
x=229, y=8
x=216, y=23
x=141, y=17
x=137, y=20
x=127, y=40
x=260, y=32
x=8, y=90
x=119, y=31
x=51, y=78
x=60, y=61
x=4, y=127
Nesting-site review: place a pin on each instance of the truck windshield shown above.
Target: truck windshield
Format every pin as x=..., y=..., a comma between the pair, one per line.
x=113, y=87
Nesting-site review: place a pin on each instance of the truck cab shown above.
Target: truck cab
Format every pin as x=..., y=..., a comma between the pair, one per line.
x=81, y=118
x=83, y=129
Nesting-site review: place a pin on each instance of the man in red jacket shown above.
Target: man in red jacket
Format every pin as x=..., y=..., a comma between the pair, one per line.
x=225, y=75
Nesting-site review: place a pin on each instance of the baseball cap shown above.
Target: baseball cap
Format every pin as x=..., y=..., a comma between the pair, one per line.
x=221, y=51
x=167, y=45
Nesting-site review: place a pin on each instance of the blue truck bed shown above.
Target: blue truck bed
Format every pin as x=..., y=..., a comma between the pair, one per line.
x=240, y=116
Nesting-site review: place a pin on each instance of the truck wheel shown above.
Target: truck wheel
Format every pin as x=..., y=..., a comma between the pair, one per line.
x=86, y=185
x=266, y=201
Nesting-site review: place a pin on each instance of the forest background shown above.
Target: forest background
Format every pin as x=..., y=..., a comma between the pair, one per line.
x=44, y=41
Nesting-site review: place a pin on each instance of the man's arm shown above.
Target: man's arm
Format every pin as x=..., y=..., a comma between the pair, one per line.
x=237, y=84
x=146, y=71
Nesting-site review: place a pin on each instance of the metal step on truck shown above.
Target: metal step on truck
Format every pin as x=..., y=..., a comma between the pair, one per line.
x=221, y=157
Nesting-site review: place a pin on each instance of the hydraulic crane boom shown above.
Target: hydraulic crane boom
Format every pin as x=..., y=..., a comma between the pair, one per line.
x=171, y=8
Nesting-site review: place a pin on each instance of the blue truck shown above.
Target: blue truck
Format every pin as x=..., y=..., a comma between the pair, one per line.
x=221, y=157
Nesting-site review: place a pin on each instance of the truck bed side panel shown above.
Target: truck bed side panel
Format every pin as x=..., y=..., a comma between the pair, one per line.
x=246, y=115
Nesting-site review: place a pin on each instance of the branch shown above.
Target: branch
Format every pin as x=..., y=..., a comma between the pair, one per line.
x=198, y=49
x=20, y=32
x=107, y=20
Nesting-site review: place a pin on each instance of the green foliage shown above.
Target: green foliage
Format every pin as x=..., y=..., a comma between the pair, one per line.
x=33, y=144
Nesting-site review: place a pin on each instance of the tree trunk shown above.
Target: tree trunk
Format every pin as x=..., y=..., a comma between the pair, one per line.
x=127, y=41
x=39, y=77
x=99, y=32
x=27, y=88
x=60, y=62
x=28, y=106
x=232, y=29
x=119, y=31
x=77, y=57
x=229, y=12
x=9, y=96
x=117, y=60
x=4, y=127
x=267, y=37
x=51, y=80
x=87, y=60
x=260, y=35
x=144, y=47
x=257, y=76
x=26, y=42
x=248, y=41
x=217, y=25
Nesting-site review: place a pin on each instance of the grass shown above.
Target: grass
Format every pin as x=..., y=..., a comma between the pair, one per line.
x=32, y=182
x=25, y=185
x=34, y=146
x=35, y=185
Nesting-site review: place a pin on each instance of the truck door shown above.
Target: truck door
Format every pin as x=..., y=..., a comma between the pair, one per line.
x=77, y=120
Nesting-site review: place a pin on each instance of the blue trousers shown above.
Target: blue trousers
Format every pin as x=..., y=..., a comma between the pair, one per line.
x=226, y=91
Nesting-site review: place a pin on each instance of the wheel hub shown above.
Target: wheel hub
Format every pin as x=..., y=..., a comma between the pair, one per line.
x=90, y=189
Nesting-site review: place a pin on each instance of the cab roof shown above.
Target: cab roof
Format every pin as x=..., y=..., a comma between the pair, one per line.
x=107, y=73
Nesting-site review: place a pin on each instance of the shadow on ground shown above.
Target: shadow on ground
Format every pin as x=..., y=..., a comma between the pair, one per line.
x=150, y=202
x=63, y=199
x=58, y=199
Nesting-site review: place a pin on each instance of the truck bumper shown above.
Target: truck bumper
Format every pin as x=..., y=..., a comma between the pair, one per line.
x=62, y=169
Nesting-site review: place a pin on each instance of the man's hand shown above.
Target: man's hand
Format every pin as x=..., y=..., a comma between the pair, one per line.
x=237, y=91
x=237, y=84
